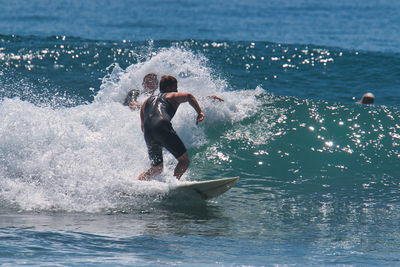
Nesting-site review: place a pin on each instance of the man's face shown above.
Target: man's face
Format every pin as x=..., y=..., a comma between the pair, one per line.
x=150, y=84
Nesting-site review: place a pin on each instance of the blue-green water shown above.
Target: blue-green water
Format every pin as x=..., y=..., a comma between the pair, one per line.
x=319, y=178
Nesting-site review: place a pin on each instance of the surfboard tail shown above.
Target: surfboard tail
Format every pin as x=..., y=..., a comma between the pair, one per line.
x=204, y=189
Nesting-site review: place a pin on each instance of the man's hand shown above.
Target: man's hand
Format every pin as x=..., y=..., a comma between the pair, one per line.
x=200, y=117
x=134, y=106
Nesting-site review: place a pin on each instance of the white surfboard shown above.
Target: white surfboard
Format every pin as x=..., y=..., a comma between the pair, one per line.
x=203, y=189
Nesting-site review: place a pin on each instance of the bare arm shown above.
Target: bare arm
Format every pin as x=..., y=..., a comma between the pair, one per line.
x=214, y=97
x=180, y=98
x=193, y=102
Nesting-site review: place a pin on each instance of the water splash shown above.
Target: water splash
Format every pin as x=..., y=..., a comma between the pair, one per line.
x=87, y=157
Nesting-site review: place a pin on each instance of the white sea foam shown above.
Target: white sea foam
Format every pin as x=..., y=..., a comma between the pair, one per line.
x=82, y=158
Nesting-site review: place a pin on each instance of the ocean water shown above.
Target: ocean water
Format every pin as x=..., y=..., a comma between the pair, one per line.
x=319, y=174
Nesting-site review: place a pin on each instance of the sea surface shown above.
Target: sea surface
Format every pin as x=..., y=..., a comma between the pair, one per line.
x=319, y=174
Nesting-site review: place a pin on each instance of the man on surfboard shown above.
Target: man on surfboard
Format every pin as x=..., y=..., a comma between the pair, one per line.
x=156, y=114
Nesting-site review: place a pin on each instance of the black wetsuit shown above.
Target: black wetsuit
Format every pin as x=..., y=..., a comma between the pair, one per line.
x=131, y=97
x=158, y=131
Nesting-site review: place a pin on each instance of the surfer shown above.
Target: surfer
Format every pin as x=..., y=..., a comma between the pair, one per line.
x=367, y=98
x=150, y=85
x=156, y=114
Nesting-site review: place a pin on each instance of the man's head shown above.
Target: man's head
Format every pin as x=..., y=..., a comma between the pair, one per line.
x=168, y=84
x=367, y=98
x=150, y=83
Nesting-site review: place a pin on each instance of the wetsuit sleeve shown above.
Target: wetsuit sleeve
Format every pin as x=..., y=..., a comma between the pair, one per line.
x=142, y=115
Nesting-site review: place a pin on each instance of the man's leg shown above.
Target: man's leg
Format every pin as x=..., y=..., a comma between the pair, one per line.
x=156, y=158
x=154, y=170
x=181, y=167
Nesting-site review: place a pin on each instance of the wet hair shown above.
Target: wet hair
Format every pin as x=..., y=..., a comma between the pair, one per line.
x=150, y=75
x=168, y=84
x=367, y=98
x=132, y=96
x=150, y=83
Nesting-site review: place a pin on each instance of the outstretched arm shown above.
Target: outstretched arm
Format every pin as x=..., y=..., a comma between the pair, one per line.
x=179, y=98
x=214, y=97
x=200, y=115
x=193, y=102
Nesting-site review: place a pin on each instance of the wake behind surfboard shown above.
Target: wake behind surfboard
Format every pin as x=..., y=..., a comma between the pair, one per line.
x=202, y=189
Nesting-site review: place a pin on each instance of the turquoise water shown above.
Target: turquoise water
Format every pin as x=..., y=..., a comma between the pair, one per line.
x=319, y=176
